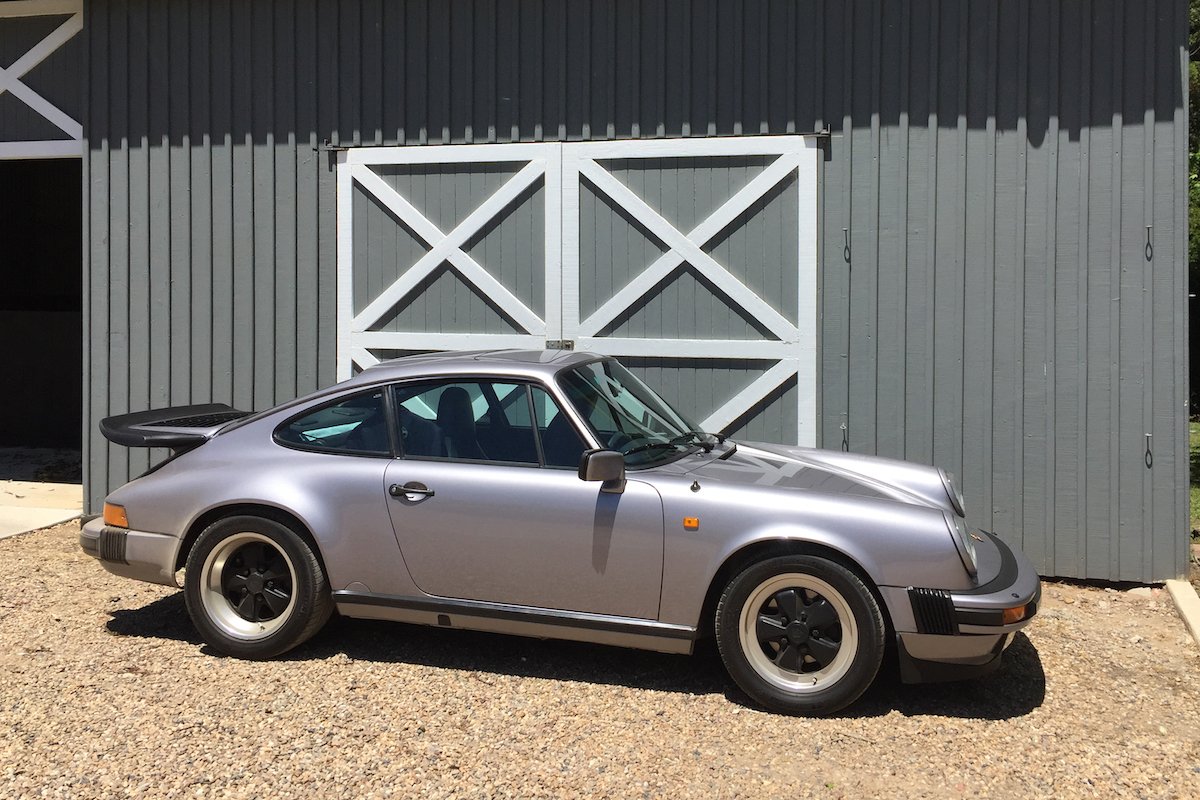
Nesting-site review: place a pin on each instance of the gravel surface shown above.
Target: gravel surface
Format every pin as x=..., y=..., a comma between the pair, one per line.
x=106, y=692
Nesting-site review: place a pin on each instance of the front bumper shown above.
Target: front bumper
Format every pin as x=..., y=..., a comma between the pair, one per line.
x=963, y=634
x=139, y=555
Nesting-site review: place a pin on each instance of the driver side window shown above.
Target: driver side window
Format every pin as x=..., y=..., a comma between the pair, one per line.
x=485, y=421
x=466, y=420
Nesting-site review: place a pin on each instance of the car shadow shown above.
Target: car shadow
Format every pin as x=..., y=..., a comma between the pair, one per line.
x=165, y=618
x=1016, y=689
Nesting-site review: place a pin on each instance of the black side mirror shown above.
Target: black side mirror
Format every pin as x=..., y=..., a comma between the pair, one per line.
x=603, y=465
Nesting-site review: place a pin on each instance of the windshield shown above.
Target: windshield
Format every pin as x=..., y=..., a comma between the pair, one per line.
x=628, y=416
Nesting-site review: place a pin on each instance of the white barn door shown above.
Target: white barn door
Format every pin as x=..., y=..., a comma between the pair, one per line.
x=694, y=260
x=447, y=248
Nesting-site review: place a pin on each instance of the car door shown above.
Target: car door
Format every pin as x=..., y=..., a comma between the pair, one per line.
x=490, y=508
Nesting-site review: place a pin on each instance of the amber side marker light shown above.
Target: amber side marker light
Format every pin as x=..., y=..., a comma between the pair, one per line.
x=1013, y=614
x=691, y=523
x=115, y=515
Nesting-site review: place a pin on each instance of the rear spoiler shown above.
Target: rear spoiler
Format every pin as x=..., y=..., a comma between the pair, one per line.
x=179, y=428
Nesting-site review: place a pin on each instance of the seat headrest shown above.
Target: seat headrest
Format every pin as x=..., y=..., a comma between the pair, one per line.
x=454, y=408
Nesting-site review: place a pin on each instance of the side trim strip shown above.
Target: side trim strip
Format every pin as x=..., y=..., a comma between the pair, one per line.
x=565, y=619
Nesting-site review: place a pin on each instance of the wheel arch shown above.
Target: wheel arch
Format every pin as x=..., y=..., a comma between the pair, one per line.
x=273, y=513
x=763, y=549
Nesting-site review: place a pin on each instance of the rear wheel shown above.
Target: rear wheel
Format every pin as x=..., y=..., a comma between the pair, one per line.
x=800, y=634
x=254, y=588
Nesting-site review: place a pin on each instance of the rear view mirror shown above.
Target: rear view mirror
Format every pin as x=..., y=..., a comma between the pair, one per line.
x=604, y=465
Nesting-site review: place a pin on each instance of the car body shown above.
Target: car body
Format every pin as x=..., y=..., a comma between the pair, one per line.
x=551, y=494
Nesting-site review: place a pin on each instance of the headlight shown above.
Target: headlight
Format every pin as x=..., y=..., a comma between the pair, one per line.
x=954, y=492
x=962, y=541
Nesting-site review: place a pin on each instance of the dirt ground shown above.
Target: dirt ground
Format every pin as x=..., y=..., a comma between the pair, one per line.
x=107, y=692
x=1195, y=564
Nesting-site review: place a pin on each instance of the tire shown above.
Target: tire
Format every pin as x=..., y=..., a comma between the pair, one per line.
x=254, y=588
x=767, y=632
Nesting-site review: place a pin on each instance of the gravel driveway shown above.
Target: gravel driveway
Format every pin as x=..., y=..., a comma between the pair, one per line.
x=106, y=691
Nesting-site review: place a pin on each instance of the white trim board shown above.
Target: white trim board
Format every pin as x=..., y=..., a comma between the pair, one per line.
x=53, y=148
x=39, y=8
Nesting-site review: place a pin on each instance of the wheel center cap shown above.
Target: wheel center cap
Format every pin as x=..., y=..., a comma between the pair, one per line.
x=797, y=632
x=254, y=583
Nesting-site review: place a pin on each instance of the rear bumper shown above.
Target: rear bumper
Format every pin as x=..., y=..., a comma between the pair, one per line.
x=963, y=634
x=139, y=555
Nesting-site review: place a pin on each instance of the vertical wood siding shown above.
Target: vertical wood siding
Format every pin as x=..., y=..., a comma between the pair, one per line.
x=996, y=171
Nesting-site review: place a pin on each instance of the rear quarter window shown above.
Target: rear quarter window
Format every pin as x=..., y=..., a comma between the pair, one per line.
x=355, y=425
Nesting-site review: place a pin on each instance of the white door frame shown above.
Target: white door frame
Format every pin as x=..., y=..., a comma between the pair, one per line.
x=354, y=166
x=10, y=80
x=795, y=346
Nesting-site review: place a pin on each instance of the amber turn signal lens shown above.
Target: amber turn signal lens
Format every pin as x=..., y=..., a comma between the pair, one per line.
x=115, y=515
x=691, y=523
x=1014, y=614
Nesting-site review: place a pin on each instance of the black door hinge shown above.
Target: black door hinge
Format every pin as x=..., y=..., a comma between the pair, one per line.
x=329, y=147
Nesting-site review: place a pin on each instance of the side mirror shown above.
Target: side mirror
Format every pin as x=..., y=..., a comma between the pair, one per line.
x=604, y=465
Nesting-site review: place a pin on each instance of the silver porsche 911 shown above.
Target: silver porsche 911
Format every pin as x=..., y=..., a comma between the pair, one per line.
x=553, y=494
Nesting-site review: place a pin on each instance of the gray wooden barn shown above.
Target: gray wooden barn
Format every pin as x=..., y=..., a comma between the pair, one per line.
x=953, y=232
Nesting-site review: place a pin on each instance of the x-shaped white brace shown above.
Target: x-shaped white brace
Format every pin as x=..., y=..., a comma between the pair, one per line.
x=689, y=248
x=10, y=77
x=447, y=247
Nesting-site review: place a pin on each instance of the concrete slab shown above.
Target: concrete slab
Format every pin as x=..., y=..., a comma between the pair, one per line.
x=29, y=505
x=1188, y=605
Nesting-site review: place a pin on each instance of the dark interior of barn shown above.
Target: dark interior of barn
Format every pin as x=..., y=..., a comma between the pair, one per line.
x=40, y=305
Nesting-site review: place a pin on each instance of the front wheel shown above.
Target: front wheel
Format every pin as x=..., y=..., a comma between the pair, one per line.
x=800, y=634
x=254, y=588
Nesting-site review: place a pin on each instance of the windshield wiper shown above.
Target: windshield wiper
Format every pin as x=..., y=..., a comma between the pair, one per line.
x=641, y=448
x=699, y=438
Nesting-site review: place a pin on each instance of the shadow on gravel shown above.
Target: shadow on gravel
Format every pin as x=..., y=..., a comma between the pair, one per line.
x=472, y=651
x=1016, y=689
x=165, y=618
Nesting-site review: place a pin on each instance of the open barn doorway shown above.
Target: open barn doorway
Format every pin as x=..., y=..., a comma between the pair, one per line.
x=41, y=331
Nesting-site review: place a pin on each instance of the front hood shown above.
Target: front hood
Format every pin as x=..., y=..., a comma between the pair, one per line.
x=828, y=472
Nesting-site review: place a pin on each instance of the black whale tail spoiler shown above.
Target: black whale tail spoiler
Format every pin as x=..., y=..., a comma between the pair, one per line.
x=179, y=428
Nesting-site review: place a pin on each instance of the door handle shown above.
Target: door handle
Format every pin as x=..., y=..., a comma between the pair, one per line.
x=412, y=487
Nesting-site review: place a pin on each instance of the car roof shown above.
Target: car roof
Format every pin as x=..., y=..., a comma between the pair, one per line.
x=514, y=363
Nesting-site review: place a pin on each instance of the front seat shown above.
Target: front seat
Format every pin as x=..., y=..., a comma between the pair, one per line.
x=456, y=419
